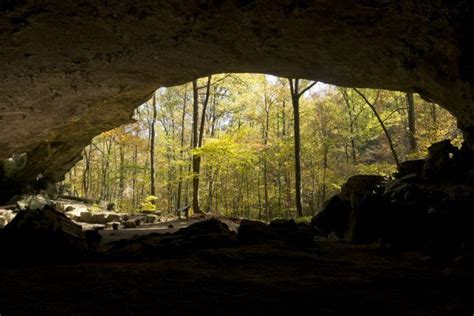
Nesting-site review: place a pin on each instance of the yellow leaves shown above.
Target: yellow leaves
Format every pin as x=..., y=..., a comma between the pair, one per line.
x=228, y=151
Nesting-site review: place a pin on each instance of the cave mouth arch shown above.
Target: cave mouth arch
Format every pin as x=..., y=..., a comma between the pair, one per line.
x=372, y=146
x=73, y=70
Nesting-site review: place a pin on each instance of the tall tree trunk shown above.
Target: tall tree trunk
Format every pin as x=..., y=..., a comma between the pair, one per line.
x=198, y=138
x=152, y=147
x=295, y=99
x=134, y=178
x=181, y=151
x=411, y=122
x=265, y=163
x=86, y=172
x=121, y=174
x=297, y=136
x=195, y=145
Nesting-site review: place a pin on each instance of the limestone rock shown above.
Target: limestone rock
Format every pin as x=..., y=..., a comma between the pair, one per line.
x=3, y=221
x=112, y=217
x=150, y=218
x=37, y=202
x=97, y=218
x=130, y=224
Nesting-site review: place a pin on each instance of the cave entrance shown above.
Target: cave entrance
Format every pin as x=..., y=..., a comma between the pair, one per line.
x=247, y=166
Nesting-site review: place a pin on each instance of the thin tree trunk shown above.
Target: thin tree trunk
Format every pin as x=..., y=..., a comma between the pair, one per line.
x=152, y=148
x=295, y=99
x=134, y=178
x=197, y=139
x=121, y=174
x=411, y=122
x=183, y=118
x=265, y=164
x=86, y=172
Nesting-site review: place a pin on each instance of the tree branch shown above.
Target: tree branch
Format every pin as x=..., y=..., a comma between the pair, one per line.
x=394, y=153
x=307, y=88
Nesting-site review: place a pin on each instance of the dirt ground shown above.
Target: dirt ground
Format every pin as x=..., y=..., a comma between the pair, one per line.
x=254, y=280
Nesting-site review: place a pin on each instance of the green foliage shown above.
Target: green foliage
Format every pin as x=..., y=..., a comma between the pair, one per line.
x=247, y=156
x=149, y=203
x=303, y=219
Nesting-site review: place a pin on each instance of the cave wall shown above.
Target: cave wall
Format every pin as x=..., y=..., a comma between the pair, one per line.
x=72, y=69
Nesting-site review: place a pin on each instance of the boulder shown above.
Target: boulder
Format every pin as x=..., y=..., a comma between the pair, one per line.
x=283, y=225
x=358, y=185
x=440, y=166
x=97, y=218
x=394, y=188
x=79, y=214
x=297, y=236
x=112, y=217
x=367, y=219
x=42, y=236
x=210, y=226
x=60, y=207
x=37, y=202
x=410, y=167
x=334, y=217
x=129, y=224
x=150, y=218
x=208, y=234
x=93, y=239
x=8, y=215
x=251, y=232
x=3, y=221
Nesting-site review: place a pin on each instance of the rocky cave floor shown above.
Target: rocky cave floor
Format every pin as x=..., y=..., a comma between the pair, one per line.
x=337, y=279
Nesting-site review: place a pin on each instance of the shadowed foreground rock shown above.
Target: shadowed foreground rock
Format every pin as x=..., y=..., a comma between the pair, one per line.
x=429, y=211
x=213, y=234
x=42, y=236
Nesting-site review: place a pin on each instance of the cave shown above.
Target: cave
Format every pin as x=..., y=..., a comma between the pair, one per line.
x=71, y=70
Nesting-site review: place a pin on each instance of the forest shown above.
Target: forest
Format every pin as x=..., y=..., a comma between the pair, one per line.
x=255, y=146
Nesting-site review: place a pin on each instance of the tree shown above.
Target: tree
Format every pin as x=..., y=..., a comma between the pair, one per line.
x=183, y=118
x=411, y=122
x=198, y=137
x=295, y=100
x=152, y=146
